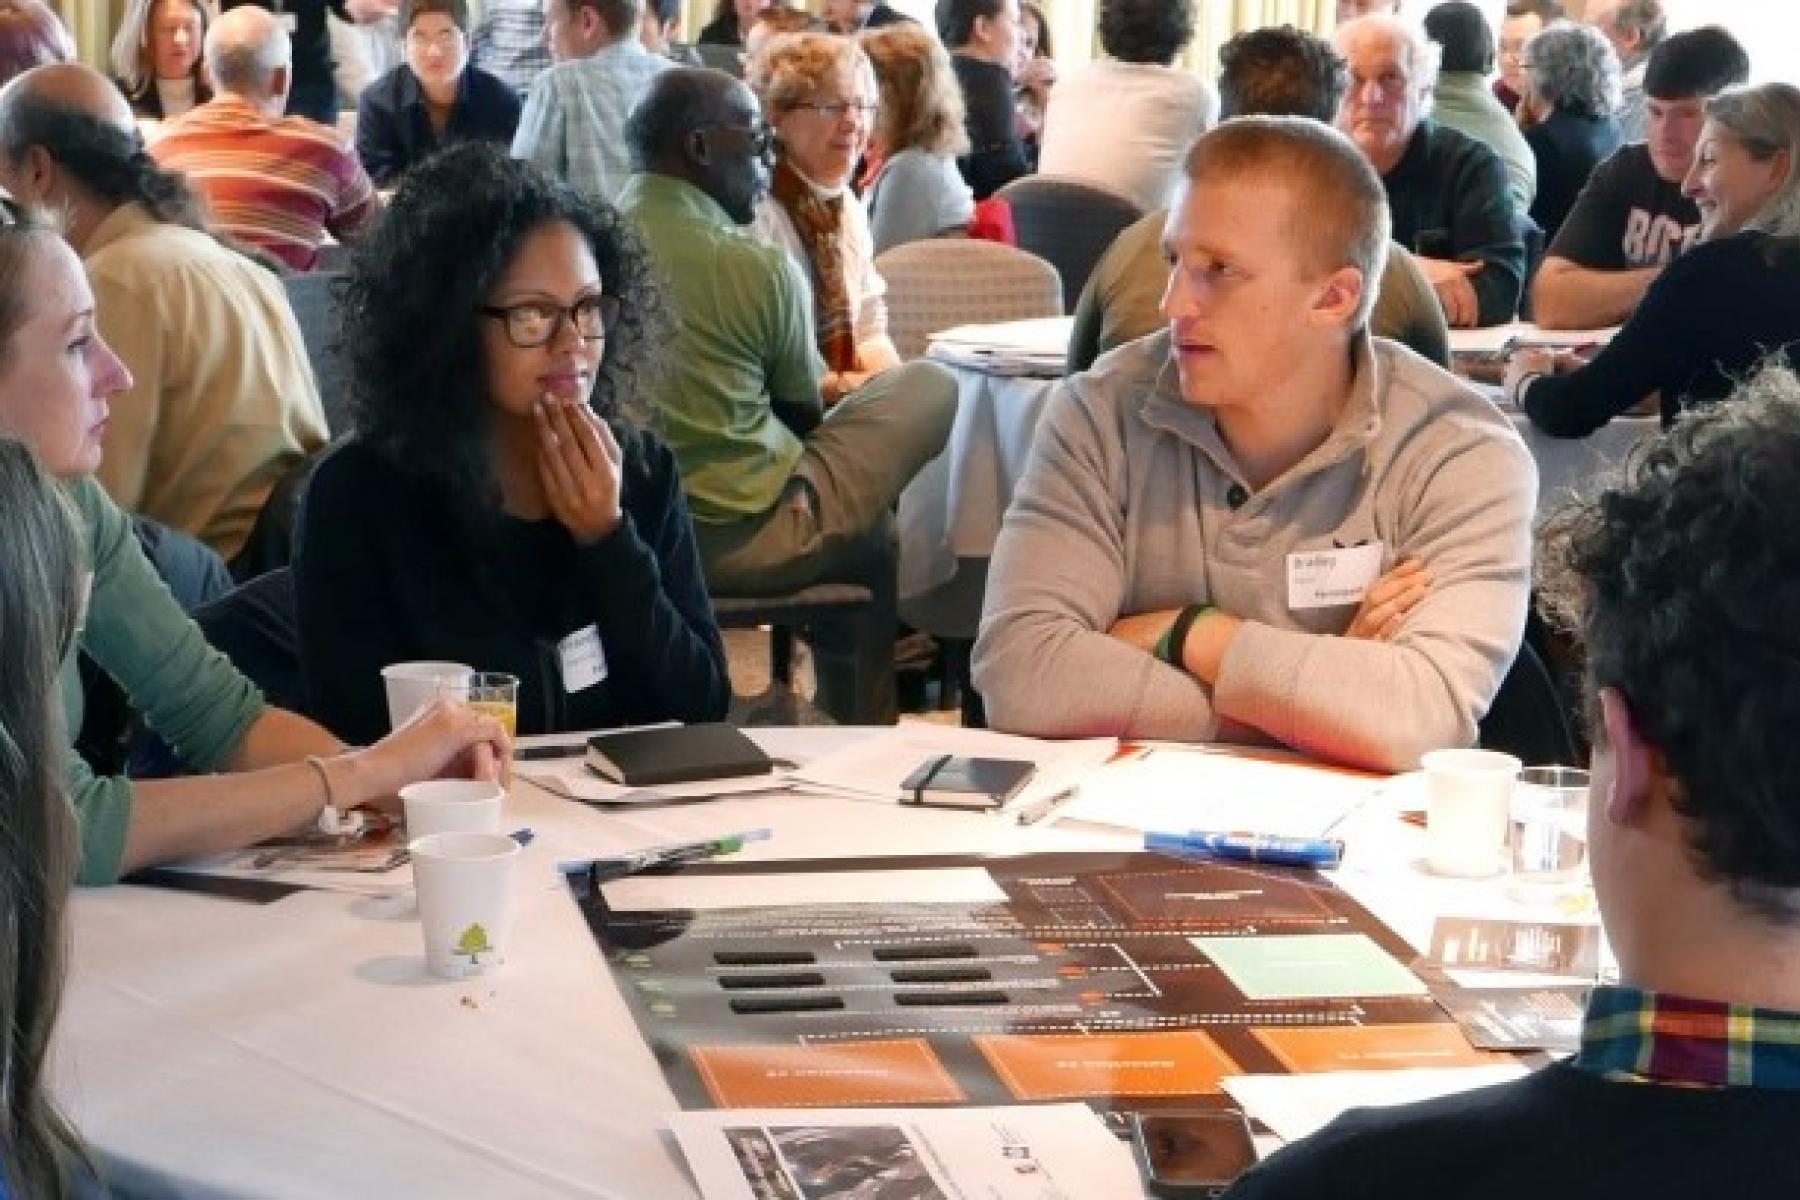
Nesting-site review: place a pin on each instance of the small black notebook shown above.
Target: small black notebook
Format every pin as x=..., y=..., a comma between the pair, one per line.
x=675, y=754
x=953, y=781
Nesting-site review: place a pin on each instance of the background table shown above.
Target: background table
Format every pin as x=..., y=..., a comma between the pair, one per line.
x=299, y=1050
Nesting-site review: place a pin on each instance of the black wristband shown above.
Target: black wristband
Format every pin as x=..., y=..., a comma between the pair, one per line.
x=1178, y=633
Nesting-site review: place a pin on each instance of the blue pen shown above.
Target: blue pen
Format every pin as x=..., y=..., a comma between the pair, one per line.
x=1321, y=853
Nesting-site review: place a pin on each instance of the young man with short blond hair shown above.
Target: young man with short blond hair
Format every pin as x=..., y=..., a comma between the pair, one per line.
x=1261, y=524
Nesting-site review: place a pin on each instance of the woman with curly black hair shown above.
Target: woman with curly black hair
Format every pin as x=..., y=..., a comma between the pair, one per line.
x=498, y=505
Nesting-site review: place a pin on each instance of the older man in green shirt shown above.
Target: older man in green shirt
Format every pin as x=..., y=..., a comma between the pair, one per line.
x=784, y=493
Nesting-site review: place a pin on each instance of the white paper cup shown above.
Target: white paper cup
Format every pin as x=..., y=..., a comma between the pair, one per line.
x=452, y=806
x=465, y=886
x=413, y=685
x=1468, y=808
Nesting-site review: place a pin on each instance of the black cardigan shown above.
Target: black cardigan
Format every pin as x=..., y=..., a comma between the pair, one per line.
x=1710, y=317
x=384, y=576
x=996, y=156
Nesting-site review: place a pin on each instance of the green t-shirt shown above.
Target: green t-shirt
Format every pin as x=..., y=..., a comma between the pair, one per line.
x=188, y=692
x=743, y=342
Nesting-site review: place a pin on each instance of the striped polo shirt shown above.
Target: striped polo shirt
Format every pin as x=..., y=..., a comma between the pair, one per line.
x=275, y=183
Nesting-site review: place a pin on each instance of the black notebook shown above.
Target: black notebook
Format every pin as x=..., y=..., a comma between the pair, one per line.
x=675, y=754
x=953, y=781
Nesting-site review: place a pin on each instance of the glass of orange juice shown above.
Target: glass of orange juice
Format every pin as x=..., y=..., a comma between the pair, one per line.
x=496, y=694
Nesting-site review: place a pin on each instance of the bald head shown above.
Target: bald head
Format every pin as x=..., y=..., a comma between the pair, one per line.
x=68, y=142
x=248, y=55
x=71, y=88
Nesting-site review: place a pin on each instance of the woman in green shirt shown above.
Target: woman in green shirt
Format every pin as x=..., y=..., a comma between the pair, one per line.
x=276, y=772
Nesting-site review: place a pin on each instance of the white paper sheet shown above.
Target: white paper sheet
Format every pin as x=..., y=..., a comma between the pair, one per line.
x=1297, y=1105
x=1040, y=1152
x=1523, y=333
x=1038, y=335
x=1034, y=348
x=1177, y=790
x=875, y=767
x=707, y=893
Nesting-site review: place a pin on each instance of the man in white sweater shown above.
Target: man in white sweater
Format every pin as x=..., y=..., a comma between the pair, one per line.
x=1261, y=524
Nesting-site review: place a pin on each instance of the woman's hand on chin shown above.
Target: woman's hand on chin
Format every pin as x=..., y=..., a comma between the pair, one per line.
x=579, y=465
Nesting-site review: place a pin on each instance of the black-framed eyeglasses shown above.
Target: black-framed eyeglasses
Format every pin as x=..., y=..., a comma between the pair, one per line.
x=11, y=211
x=759, y=138
x=837, y=110
x=532, y=323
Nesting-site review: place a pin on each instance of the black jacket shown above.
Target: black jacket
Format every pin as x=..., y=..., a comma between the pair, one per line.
x=1707, y=320
x=393, y=129
x=384, y=577
x=996, y=156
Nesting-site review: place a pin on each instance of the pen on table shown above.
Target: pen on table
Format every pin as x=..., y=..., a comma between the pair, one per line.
x=659, y=857
x=1322, y=853
x=1037, y=810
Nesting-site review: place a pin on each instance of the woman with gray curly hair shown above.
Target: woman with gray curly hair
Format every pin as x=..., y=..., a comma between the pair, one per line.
x=1716, y=311
x=1570, y=114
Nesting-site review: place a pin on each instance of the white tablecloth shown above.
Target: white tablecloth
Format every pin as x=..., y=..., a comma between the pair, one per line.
x=950, y=515
x=299, y=1050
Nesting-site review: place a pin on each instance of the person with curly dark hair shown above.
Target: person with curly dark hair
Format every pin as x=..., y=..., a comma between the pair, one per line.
x=500, y=504
x=1124, y=122
x=1680, y=583
x=222, y=403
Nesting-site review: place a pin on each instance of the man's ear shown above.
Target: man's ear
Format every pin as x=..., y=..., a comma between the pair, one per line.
x=37, y=174
x=280, y=80
x=1339, y=298
x=1636, y=763
x=592, y=27
x=695, y=146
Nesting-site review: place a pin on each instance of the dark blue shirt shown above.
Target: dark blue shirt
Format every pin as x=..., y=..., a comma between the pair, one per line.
x=393, y=128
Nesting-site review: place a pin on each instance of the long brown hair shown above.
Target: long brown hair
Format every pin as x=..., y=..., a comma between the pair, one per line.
x=42, y=581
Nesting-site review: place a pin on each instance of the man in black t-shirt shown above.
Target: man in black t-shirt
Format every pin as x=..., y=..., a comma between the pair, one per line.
x=1632, y=219
x=1687, y=1082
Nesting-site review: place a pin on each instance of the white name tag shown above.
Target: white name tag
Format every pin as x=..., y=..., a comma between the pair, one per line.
x=583, y=659
x=1332, y=578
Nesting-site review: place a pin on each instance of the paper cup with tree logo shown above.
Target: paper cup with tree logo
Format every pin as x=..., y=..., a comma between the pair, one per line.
x=465, y=886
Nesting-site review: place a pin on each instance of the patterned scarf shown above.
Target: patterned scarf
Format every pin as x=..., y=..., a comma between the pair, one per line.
x=819, y=222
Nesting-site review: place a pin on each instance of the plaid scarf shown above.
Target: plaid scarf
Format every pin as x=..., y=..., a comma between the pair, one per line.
x=819, y=222
x=1649, y=1038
